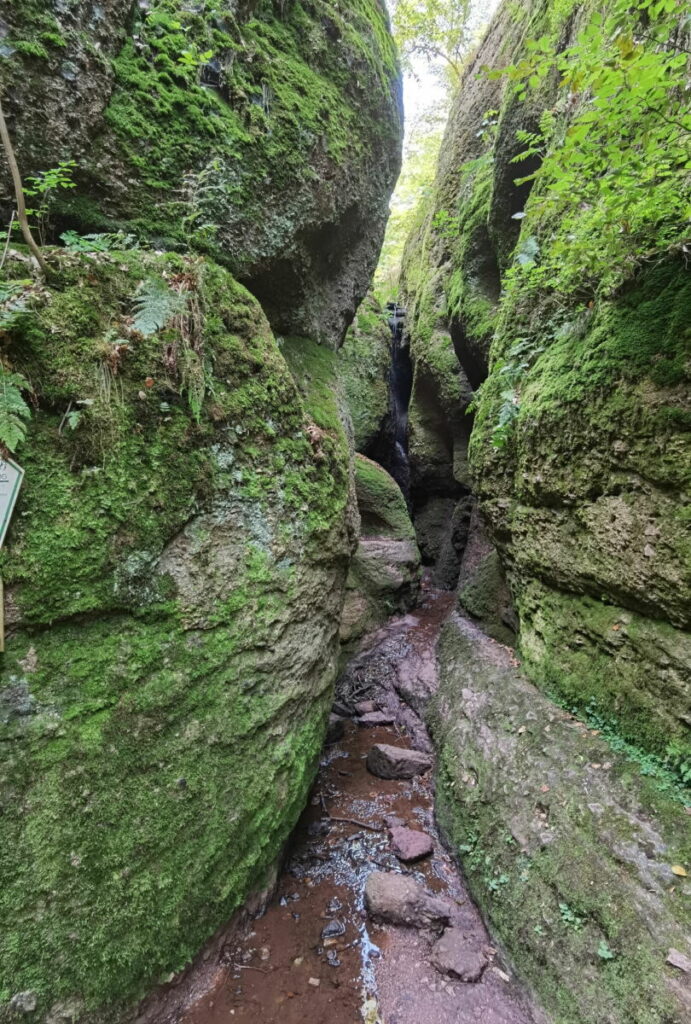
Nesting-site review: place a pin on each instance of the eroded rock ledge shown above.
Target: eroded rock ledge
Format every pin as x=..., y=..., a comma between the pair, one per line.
x=573, y=855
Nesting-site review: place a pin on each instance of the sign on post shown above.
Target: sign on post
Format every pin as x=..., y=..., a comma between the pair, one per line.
x=11, y=476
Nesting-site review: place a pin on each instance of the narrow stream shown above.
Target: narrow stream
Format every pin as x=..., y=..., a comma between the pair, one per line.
x=314, y=956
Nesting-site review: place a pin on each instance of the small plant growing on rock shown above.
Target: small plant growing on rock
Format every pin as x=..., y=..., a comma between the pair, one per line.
x=570, y=919
x=604, y=952
x=13, y=409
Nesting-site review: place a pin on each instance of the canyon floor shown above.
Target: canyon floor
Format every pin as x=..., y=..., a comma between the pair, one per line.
x=316, y=955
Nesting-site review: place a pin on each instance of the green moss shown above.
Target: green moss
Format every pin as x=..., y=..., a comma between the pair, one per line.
x=141, y=761
x=597, y=659
x=364, y=362
x=210, y=155
x=156, y=752
x=381, y=503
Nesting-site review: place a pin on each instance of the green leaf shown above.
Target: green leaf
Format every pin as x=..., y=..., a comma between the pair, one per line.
x=154, y=305
x=13, y=409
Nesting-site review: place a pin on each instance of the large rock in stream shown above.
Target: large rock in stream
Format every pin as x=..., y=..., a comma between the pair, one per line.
x=578, y=860
x=385, y=572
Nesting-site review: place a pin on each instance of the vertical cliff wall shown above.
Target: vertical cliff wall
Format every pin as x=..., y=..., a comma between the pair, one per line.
x=580, y=451
x=557, y=322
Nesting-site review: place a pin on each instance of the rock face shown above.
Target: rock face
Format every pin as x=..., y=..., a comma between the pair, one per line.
x=579, y=454
x=569, y=850
x=385, y=572
x=174, y=583
x=266, y=134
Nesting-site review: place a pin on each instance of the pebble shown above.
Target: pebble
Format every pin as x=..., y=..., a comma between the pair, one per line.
x=314, y=982
x=333, y=929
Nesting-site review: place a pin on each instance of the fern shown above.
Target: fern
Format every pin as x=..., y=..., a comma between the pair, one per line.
x=13, y=409
x=13, y=303
x=154, y=305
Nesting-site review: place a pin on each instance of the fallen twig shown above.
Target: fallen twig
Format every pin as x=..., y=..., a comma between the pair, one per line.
x=249, y=967
x=354, y=821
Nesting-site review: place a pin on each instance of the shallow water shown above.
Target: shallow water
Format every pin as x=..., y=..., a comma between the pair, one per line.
x=284, y=966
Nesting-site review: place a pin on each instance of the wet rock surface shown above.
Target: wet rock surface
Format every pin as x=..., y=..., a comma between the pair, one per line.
x=328, y=962
x=410, y=844
x=388, y=762
x=399, y=900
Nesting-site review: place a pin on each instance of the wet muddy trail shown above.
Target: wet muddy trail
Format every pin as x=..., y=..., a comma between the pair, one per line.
x=315, y=956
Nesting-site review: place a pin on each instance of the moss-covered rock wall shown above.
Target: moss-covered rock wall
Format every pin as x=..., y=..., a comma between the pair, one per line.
x=264, y=133
x=174, y=580
x=579, y=452
x=175, y=570
x=572, y=853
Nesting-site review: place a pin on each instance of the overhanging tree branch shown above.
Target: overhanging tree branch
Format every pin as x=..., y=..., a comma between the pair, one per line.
x=19, y=192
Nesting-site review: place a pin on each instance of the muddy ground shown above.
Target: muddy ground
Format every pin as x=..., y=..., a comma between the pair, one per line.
x=314, y=957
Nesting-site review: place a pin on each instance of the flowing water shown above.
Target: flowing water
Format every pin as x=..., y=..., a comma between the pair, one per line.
x=314, y=957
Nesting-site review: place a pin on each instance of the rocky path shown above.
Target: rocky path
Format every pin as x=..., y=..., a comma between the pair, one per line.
x=371, y=920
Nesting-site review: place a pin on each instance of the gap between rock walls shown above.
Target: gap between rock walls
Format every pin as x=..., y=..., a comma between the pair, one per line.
x=371, y=919
x=251, y=487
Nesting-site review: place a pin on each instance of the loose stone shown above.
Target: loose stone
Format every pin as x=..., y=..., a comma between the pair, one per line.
x=409, y=845
x=401, y=900
x=388, y=762
x=455, y=955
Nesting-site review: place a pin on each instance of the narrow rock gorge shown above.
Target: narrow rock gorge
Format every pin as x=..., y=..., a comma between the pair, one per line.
x=346, y=663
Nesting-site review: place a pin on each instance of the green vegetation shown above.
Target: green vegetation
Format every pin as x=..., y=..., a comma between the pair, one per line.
x=129, y=681
x=611, y=190
x=13, y=409
x=440, y=32
x=225, y=106
x=416, y=180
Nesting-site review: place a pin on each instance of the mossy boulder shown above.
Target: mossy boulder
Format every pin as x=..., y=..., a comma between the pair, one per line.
x=266, y=134
x=364, y=366
x=577, y=857
x=384, y=575
x=174, y=578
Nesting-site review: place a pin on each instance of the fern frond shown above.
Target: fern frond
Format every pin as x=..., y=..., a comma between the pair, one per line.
x=154, y=305
x=13, y=409
x=13, y=303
